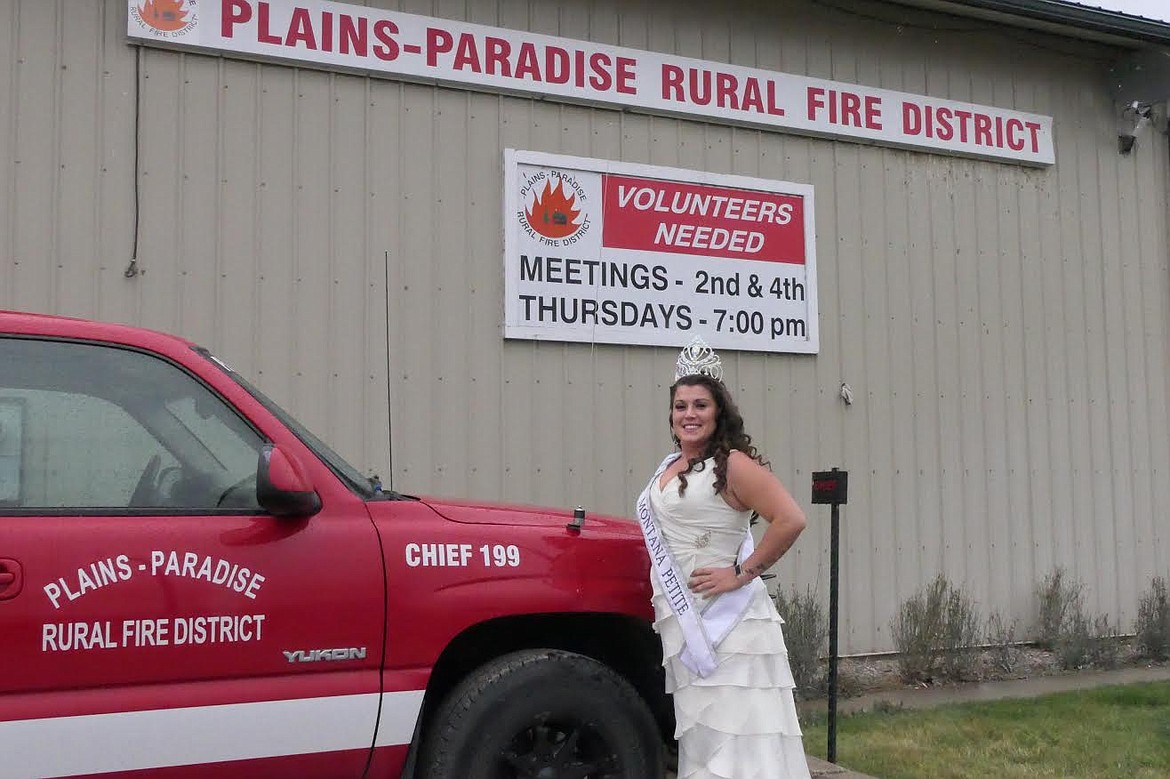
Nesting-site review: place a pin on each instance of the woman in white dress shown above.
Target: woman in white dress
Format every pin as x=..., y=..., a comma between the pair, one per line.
x=723, y=650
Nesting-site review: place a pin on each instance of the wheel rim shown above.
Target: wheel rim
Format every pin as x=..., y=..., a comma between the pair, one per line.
x=559, y=748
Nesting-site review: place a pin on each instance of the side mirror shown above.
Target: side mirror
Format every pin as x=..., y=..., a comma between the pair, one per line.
x=282, y=488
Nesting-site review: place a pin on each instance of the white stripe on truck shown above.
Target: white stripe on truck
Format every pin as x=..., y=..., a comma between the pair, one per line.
x=161, y=738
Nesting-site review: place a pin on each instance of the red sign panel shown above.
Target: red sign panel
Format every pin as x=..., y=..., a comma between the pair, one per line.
x=683, y=218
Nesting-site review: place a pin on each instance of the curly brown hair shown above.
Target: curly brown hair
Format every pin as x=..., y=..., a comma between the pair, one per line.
x=729, y=434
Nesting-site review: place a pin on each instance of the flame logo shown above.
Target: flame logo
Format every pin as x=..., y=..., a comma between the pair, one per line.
x=553, y=214
x=164, y=15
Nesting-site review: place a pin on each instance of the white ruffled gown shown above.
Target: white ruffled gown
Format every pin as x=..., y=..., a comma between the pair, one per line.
x=740, y=722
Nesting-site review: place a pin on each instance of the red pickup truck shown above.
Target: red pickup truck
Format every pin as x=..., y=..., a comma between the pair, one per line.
x=193, y=585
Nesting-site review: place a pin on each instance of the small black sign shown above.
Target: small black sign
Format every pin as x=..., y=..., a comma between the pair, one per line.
x=830, y=486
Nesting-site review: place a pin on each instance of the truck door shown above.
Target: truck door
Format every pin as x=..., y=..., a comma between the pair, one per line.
x=153, y=615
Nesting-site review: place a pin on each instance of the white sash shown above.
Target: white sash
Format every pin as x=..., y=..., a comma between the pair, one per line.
x=701, y=632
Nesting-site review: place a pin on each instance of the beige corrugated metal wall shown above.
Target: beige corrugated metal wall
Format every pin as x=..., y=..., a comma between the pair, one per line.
x=339, y=240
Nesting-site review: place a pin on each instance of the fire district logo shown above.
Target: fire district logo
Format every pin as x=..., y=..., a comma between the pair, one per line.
x=555, y=207
x=165, y=18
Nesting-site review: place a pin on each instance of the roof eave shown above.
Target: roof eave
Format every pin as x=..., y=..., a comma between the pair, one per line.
x=1097, y=20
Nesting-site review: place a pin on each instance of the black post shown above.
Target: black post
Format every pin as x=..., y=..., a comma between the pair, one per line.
x=834, y=545
x=832, y=487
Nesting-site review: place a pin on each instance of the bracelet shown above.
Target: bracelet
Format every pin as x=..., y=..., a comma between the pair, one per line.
x=738, y=571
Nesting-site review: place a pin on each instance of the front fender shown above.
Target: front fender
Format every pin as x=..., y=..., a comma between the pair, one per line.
x=442, y=577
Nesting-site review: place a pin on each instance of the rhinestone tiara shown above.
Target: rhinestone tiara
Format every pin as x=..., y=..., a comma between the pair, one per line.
x=697, y=357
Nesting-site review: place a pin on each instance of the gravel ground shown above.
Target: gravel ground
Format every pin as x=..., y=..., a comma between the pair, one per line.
x=861, y=675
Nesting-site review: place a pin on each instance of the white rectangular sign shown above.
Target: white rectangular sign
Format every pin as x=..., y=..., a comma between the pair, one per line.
x=609, y=252
x=389, y=44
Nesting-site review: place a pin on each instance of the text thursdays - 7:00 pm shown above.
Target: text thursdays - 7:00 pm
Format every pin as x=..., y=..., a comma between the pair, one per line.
x=554, y=309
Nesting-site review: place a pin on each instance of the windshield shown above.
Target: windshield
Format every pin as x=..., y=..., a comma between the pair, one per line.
x=367, y=487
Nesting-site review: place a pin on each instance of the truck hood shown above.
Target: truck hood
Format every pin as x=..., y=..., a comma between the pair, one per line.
x=475, y=513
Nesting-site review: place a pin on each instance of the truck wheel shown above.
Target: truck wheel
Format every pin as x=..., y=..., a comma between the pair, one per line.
x=543, y=714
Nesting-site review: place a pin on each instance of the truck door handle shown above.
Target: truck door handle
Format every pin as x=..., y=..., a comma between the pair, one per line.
x=11, y=578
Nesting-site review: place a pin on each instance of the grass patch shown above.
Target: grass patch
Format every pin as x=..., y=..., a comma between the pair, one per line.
x=1103, y=733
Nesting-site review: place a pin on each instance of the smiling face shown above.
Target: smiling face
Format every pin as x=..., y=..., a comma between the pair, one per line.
x=693, y=412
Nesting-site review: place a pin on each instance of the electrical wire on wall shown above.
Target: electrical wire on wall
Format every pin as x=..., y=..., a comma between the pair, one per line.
x=132, y=269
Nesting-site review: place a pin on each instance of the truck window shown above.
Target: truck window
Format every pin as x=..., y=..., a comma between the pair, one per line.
x=367, y=487
x=107, y=429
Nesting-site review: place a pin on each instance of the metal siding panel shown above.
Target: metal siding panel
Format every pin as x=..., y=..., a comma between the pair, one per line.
x=413, y=371
x=1114, y=536
x=998, y=387
x=789, y=426
x=944, y=248
x=450, y=423
x=545, y=417
x=115, y=239
x=1101, y=576
x=1039, y=497
x=848, y=255
x=901, y=564
x=512, y=14
x=856, y=546
x=353, y=285
x=824, y=372
x=276, y=228
x=924, y=554
x=969, y=522
x=827, y=369
x=1135, y=560
x=1078, y=341
x=923, y=383
x=373, y=415
x=1151, y=242
x=180, y=286
x=1059, y=390
x=178, y=193
x=869, y=373
x=881, y=218
x=314, y=307
x=902, y=354
x=384, y=226
x=993, y=196
x=1012, y=528
x=9, y=75
x=36, y=123
x=484, y=259
x=233, y=285
x=516, y=455
x=1011, y=575
x=989, y=488
x=1036, y=253
x=73, y=269
x=1132, y=426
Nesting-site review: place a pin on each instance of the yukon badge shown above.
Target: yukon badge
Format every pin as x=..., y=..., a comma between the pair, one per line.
x=319, y=655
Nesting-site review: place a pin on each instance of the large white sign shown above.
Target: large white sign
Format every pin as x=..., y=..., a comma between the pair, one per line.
x=420, y=48
x=609, y=252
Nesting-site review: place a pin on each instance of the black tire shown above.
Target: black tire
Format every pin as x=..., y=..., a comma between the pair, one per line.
x=543, y=714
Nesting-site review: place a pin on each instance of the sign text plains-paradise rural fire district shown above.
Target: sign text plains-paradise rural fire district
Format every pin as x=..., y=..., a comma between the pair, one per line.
x=608, y=252
x=419, y=48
